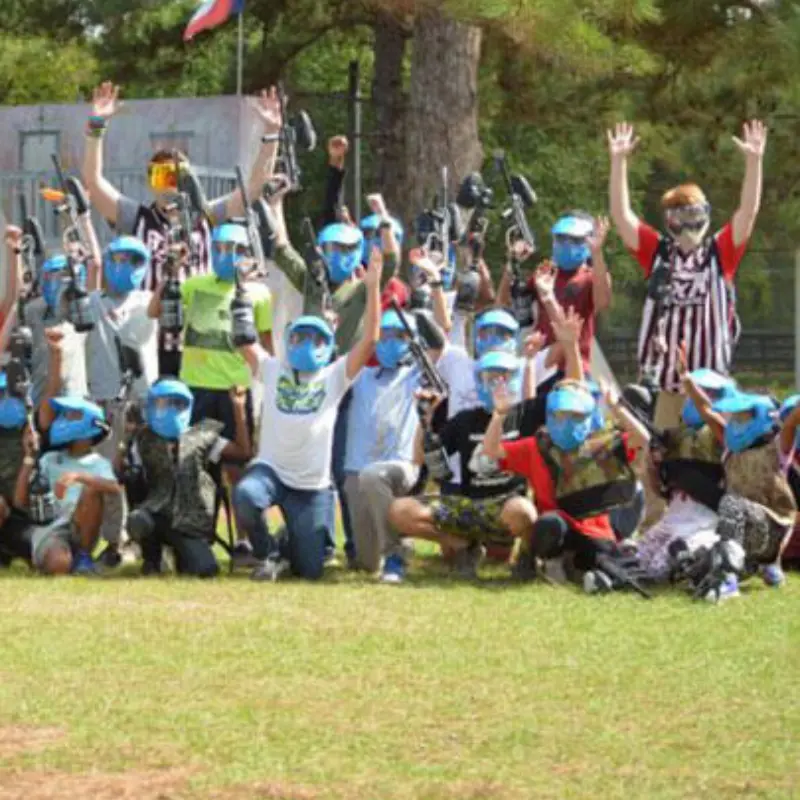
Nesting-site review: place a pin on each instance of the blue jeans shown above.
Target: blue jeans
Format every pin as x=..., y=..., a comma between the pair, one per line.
x=307, y=515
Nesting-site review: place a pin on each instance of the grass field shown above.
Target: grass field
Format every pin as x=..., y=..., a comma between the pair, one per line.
x=163, y=688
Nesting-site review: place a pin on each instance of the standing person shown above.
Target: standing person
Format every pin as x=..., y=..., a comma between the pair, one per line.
x=690, y=273
x=151, y=223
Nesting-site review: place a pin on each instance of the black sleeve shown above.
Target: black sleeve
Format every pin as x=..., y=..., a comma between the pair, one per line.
x=440, y=416
x=452, y=432
x=532, y=415
x=333, y=196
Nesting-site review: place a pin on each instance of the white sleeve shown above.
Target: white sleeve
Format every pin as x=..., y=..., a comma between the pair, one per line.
x=338, y=382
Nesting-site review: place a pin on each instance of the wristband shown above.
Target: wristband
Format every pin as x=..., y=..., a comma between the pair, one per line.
x=270, y=137
x=29, y=461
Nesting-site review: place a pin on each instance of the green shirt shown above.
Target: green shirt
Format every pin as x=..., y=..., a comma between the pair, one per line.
x=210, y=360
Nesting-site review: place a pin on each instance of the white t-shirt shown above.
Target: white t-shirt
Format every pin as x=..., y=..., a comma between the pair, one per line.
x=125, y=317
x=297, y=422
x=458, y=319
x=287, y=306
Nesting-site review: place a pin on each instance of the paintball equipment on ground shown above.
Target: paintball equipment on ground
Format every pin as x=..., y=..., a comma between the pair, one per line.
x=707, y=568
x=296, y=133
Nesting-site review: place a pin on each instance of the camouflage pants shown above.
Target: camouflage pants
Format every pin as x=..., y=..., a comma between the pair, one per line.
x=751, y=526
x=466, y=518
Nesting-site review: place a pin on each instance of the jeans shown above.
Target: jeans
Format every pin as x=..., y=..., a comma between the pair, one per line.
x=339, y=478
x=193, y=555
x=307, y=513
x=626, y=519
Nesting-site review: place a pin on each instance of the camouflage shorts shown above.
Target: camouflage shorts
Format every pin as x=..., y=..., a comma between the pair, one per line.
x=475, y=520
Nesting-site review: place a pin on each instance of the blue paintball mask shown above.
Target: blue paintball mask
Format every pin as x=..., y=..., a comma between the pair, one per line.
x=569, y=416
x=570, y=242
x=169, y=409
x=54, y=280
x=341, y=247
x=715, y=385
x=394, y=344
x=751, y=417
x=372, y=236
x=125, y=264
x=493, y=370
x=12, y=409
x=230, y=247
x=496, y=329
x=598, y=415
x=76, y=420
x=309, y=344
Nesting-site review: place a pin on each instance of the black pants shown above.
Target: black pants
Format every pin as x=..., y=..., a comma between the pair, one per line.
x=16, y=536
x=169, y=363
x=553, y=536
x=193, y=555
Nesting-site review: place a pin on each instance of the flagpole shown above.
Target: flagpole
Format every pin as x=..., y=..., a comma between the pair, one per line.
x=240, y=53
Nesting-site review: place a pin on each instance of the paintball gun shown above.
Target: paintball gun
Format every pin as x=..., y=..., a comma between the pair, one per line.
x=297, y=132
x=706, y=569
x=131, y=473
x=71, y=203
x=473, y=194
x=32, y=247
x=317, y=270
x=434, y=452
x=624, y=572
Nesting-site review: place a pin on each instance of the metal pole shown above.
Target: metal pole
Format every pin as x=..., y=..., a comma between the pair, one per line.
x=354, y=100
x=797, y=319
x=240, y=53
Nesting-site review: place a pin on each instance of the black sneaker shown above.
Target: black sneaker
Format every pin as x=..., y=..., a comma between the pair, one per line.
x=524, y=570
x=467, y=561
x=110, y=558
x=242, y=555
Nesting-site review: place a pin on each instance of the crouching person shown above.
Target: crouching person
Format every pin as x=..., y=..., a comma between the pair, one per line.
x=182, y=471
x=81, y=480
x=490, y=505
x=293, y=468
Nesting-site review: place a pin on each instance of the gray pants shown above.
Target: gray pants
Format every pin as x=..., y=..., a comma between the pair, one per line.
x=370, y=493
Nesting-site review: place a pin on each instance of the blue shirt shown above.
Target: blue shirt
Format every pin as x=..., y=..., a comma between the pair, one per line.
x=383, y=417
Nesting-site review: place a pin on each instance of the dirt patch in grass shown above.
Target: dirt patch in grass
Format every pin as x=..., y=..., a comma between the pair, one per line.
x=273, y=790
x=18, y=739
x=136, y=785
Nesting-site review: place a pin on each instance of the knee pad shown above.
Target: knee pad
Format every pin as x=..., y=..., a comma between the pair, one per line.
x=141, y=525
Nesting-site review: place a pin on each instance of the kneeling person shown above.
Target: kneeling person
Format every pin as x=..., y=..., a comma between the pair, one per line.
x=490, y=505
x=181, y=466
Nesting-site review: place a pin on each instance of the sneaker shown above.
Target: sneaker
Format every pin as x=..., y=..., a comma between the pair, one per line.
x=525, y=568
x=394, y=570
x=595, y=581
x=149, y=568
x=110, y=558
x=83, y=564
x=773, y=575
x=242, y=555
x=269, y=570
x=728, y=589
x=467, y=561
x=331, y=559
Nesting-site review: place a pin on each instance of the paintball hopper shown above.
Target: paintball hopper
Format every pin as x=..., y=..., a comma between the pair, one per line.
x=474, y=193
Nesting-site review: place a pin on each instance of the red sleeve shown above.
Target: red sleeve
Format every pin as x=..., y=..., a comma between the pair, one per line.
x=729, y=254
x=649, y=239
x=395, y=290
x=519, y=456
x=630, y=451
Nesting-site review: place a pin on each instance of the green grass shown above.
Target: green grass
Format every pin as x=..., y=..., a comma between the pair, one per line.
x=435, y=689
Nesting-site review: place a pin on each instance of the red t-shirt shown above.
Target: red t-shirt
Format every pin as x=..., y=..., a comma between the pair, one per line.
x=396, y=290
x=524, y=458
x=730, y=256
x=572, y=290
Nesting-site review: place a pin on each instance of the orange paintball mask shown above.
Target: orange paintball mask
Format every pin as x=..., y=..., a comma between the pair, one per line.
x=162, y=175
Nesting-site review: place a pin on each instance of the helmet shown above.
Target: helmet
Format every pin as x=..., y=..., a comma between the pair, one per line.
x=761, y=421
x=77, y=420
x=341, y=246
x=789, y=405
x=309, y=344
x=229, y=243
x=372, y=237
x=570, y=245
x=12, y=409
x=496, y=329
x=169, y=408
x=715, y=385
x=125, y=264
x=569, y=415
x=394, y=343
x=494, y=366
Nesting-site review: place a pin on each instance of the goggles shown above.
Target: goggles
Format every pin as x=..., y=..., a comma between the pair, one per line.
x=493, y=379
x=162, y=175
x=742, y=417
x=392, y=334
x=126, y=257
x=688, y=218
x=571, y=416
x=336, y=247
x=303, y=336
x=169, y=403
x=563, y=238
x=490, y=332
x=225, y=248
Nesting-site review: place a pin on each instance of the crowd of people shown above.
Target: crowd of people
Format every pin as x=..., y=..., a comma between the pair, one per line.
x=139, y=413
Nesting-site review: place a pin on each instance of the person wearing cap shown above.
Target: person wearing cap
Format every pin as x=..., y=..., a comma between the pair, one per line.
x=292, y=470
x=688, y=459
x=380, y=442
x=690, y=272
x=758, y=509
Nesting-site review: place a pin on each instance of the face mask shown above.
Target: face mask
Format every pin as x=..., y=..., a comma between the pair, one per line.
x=569, y=256
x=391, y=352
x=12, y=413
x=486, y=387
x=66, y=431
x=569, y=434
x=691, y=416
x=307, y=356
x=341, y=265
x=168, y=423
x=368, y=245
x=123, y=278
x=224, y=265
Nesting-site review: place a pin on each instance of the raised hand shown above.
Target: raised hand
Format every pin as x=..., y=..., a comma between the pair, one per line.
x=598, y=238
x=621, y=141
x=504, y=401
x=754, y=139
x=338, y=147
x=545, y=278
x=268, y=108
x=372, y=279
x=424, y=260
x=533, y=344
x=13, y=237
x=377, y=204
x=568, y=329
x=519, y=250
x=55, y=339
x=105, y=101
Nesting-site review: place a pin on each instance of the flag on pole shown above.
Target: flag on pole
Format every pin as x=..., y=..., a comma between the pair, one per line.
x=211, y=14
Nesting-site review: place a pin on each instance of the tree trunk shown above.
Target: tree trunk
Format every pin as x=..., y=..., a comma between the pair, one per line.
x=443, y=113
x=391, y=108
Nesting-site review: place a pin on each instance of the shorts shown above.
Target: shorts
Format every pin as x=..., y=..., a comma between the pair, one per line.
x=62, y=531
x=216, y=404
x=468, y=518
